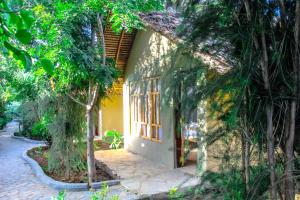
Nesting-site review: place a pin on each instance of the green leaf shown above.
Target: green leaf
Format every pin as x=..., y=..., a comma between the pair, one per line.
x=12, y=48
x=26, y=61
x=48, y=66
x=13, y=18
x=24, y=36
x=27, y=17
x=20, y=55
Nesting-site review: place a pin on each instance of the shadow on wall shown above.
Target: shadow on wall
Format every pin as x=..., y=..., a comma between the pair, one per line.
x=155, y=56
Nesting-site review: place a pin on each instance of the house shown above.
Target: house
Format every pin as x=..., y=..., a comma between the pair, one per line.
x=139, y=106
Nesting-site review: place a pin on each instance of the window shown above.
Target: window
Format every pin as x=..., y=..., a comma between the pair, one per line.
x=145, y=109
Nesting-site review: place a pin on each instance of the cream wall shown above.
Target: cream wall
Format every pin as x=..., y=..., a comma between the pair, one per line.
x=111, y=110
x=149, y=58
x=153, y=55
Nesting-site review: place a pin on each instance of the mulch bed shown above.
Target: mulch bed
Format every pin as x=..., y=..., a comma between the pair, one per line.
x=103, y=173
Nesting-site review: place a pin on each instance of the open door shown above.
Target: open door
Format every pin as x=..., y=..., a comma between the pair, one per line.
x=185, y=137
x=179, y=145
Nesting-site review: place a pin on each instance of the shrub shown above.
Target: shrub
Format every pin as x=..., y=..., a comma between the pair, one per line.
x=5, y=117
x=3, y=122
x=61, y=196
x=40, y=129
x=114, y=138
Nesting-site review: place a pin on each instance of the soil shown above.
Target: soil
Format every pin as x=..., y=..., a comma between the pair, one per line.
x=103, y=173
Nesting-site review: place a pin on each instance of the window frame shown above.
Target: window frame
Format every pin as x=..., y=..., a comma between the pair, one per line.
x=147, y=103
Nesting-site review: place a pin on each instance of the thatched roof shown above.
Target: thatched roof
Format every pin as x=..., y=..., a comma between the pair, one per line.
x=118, y=46
x=167, y=23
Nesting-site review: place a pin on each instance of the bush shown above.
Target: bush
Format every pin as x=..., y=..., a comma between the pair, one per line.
x=3, y=122
x=114, y=138
x=40, y=129
x=4, y=116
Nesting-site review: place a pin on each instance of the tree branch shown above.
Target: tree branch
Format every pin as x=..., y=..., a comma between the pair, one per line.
x=101, y=31
x=76, y=100
x=100, y=27
x=248, y=12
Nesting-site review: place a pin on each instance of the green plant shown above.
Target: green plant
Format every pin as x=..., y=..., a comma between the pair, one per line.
x=40, y=129
x=115, y=197
x=114, y=138
x=4, y=114
x=61, y=196
x=39, y=150
x=172, y=192
x=3, y=122
x=175, y=194
x=102, y=194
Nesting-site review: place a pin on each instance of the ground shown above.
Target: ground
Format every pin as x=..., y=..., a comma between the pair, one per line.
x=139, y=175
x=17, y=181
x=144, y=177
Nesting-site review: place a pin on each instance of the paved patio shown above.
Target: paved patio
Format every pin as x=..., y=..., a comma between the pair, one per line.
x=18, y=182
x=144, y=177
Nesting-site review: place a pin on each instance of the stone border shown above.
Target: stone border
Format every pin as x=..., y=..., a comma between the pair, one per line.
x=28, y=140
x=58, y=185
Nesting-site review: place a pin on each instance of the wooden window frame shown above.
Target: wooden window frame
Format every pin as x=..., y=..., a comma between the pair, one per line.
x=150, y=126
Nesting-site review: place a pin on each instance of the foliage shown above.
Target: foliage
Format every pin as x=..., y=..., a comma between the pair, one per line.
x=98, y=195
x=229, y=184
x=60, y=42
x=3, y=118
x=103, y=194
x=257, y=41
x=16, y=21
x=71, y=50
x=114, y=138
x=67, y=153
x=40, y=129
x=61, y=196
x=175, y=194
x=65, y=47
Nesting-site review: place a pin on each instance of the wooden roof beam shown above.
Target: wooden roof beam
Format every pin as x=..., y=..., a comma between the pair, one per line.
x=119, y=46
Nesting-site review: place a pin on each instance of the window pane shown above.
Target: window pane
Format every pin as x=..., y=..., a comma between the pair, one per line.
x=160, y=133
x=145, y=108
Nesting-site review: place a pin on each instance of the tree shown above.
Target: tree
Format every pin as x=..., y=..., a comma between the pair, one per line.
x=260, y=39
x=69, y=47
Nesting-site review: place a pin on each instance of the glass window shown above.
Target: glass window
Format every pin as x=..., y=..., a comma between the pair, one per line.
x=145, y=109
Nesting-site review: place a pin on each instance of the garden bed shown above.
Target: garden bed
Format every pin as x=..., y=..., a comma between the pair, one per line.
x=25, y=135
x=103, y=173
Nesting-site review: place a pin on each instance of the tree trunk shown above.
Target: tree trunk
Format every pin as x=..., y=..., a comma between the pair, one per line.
x=93, y=93
x=246, y=160
x=289, y=153
x=269, y=110
x=90, y=147
x=289, y=144
x=271, y=150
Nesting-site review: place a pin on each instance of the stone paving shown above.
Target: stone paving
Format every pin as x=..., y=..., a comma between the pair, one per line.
x=143, y=177
x=17, y=181
x=139, y=175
